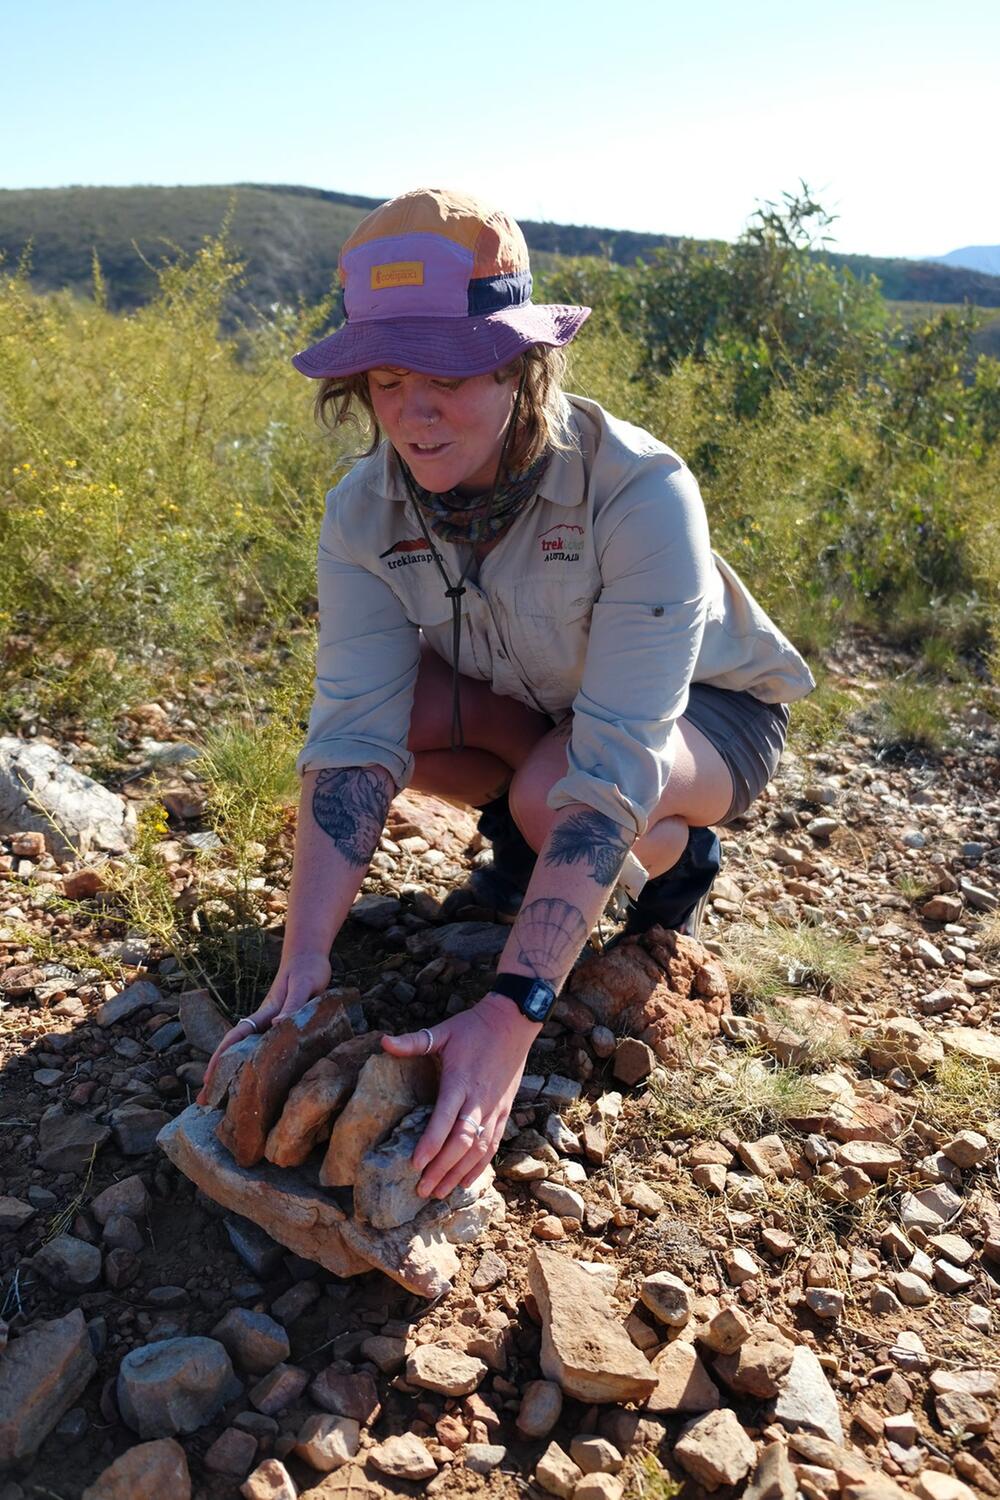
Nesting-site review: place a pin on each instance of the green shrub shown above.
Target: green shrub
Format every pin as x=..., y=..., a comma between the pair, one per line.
x=912, y=715
x=161, y=487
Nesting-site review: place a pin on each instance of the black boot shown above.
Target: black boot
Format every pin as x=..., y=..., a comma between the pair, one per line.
x=677, y=898
x=495, y=891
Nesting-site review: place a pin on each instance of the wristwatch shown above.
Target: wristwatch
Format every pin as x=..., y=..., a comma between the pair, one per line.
x=533, y=997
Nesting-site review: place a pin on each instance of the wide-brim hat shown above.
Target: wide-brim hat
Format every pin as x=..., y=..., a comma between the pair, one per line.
x=438, y=282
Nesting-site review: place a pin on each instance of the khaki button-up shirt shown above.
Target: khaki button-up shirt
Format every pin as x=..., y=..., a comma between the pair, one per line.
x=604, y=599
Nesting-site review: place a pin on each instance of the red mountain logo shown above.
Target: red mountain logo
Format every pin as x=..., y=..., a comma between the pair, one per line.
x=557, y=540
x=414, y=549
x=411, y=544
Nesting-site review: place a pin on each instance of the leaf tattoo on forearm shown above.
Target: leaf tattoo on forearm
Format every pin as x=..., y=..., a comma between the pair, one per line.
x=551, y=934
x=350, y=804
x=589, y=837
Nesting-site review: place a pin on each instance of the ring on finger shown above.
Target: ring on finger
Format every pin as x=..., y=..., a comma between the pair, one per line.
x=428, y=1033
x=479, y=1129
x=249, y=1021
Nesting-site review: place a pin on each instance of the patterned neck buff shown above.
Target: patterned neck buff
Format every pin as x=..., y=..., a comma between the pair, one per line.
x=477, y=518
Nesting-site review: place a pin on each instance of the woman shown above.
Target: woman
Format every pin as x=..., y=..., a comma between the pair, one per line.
x=613, y=688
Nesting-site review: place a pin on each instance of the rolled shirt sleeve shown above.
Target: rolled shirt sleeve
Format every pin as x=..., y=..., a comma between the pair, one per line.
x=645, y=637
x=366, y=666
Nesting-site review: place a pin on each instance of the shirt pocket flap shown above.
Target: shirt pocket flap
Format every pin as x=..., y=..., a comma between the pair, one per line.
x=553, y=598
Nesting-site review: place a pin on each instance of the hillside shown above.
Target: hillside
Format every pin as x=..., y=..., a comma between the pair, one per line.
x=985, y=258
x=290, y=237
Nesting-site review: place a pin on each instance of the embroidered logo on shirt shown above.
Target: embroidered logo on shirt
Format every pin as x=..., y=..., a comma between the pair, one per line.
x=397, y=273
x=558, y=545
x=414, y=549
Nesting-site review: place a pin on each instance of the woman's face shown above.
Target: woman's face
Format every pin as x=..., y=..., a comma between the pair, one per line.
x=449, y=430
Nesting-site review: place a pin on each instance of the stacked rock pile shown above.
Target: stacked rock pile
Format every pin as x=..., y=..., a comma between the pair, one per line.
x=315, y=1145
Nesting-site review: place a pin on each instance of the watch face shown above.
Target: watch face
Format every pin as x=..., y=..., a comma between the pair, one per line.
x=538, y=1001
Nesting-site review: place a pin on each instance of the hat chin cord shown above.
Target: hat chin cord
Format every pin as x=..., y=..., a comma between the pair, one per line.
x=455, y=591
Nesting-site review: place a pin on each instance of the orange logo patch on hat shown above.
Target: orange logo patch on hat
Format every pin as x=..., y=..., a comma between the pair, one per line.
x=398, y=273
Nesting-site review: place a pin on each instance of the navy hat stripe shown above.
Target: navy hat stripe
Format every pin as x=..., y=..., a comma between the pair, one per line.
x=490, y=294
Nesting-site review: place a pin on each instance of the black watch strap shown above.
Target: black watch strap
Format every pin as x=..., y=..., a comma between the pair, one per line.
x=534, y=998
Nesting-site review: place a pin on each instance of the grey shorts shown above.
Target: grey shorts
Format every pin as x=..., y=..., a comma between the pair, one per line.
x=748, y=734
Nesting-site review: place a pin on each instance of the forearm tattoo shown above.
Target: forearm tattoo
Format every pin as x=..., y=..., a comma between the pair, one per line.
x=551, y=934
x=350, y=804
x=591, y=838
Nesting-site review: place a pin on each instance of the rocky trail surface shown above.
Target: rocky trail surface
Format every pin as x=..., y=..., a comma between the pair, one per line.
x=744, y=1233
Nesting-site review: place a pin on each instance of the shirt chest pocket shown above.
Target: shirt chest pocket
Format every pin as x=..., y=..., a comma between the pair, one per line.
x=548, y=621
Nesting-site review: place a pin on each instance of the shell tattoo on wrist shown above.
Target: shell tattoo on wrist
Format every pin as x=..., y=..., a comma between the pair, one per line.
x=551, y=933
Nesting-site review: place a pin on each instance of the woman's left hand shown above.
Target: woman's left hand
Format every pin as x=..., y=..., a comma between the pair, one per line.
x=482, y=1051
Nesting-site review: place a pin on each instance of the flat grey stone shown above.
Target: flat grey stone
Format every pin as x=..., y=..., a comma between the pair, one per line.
x=138, y=996
x=203, y=1021
x=385, y=1188
x=69, y=1264
x=165, y=1036
x=175, y=1385
x=40, y=792
x=483, y=1458
x=67, y=1142
x=135, y=1129
x=13, y=1214
x=806, y=1400
x=472, y=940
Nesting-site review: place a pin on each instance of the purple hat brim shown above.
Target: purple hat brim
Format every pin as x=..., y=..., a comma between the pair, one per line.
x=440, y=346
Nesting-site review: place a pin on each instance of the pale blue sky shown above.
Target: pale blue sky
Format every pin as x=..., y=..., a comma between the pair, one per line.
x=642, y=114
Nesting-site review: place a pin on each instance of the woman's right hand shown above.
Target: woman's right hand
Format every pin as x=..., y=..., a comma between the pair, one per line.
x=296, y=981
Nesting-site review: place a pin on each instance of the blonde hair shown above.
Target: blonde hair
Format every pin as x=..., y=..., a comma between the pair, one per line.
x=541, y=420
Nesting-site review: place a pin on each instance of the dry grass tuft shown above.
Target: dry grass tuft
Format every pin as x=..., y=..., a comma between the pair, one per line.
x=750, y=1093
x=761, y=962
x=989, y=936
x=961, y=1095
x=647, y=1479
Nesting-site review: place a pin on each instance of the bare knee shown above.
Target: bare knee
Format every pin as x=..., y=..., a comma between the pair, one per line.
x=527, y=796
x=662, y=845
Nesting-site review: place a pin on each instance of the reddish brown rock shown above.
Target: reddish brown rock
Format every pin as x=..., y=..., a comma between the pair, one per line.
x=387, y=1089
x=326, y=1443
x=795, y=1027
x=715, y=1450
x=347, y=1393
x=659, y=986
x=759, y=1364
x=41, y=1375
x=232, y=1453
x=682, y=1382
x=585, y=1349
x=149, y=1471
x=871, y=1157
x=446, y=827
x=319, y=1094
x=844, y=1115
x=80, y=885
x=227, y=1070
x=286, y=1051
x=278, y=1389
x=902, y=1042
